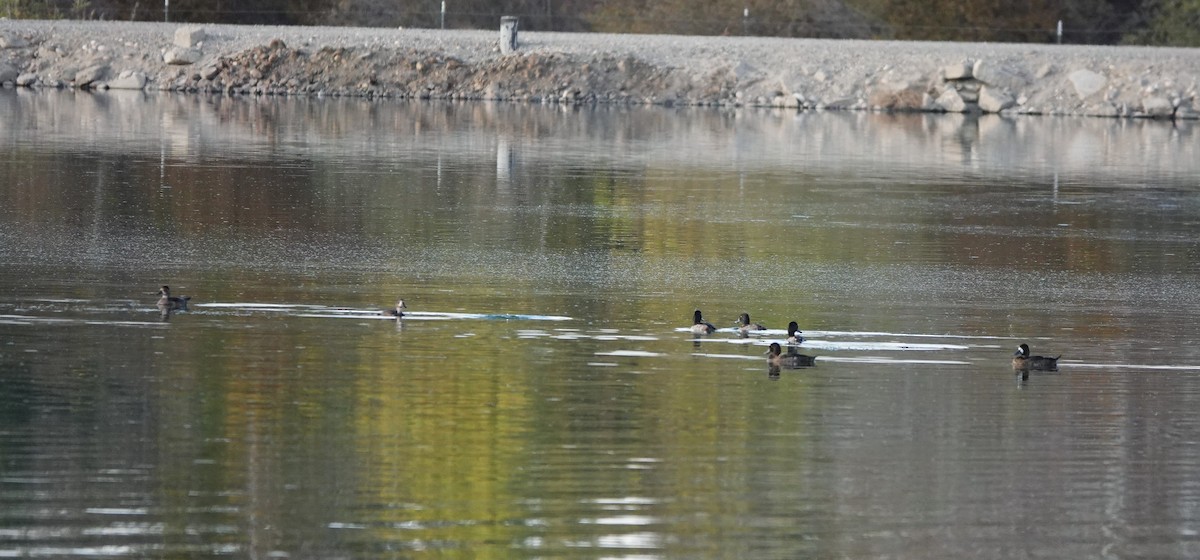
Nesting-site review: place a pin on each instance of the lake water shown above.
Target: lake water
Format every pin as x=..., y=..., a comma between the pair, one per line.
x=544, y=397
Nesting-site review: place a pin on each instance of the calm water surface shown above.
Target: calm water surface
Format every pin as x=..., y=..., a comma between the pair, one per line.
x=544, y=399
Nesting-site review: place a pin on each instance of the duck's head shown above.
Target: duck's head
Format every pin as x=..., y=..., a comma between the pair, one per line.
x=744, y=319
x=793, y=328
x=697, y=318
x=400, y=305
x=164, y=291
x=775, y=349
x=1022, y=350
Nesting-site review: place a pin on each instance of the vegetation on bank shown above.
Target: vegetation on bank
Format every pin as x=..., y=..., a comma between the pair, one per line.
x=1150, y=22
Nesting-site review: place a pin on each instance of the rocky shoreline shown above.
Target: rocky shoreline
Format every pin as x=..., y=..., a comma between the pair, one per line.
x=573, y=69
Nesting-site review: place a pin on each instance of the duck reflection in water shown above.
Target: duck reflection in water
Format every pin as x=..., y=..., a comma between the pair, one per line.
x=791, y=360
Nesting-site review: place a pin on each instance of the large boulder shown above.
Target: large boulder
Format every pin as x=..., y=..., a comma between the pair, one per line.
x=951, y=102
x=181, y=56
x=128, y=80
x=1158, y=107
x=959, y=71
x=1086, y=82
x=189, y=36
x=87, y=76
x=994, y=100
x=1000, y=75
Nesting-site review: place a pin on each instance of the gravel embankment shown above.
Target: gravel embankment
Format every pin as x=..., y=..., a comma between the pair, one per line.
x=603, y=68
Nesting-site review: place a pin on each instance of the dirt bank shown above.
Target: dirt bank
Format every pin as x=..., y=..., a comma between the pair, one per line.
x=601, y=68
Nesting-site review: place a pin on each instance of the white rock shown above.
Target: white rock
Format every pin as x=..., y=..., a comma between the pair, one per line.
x=1086, y=82
x=85, y=77
x=960, y=71
x=27, y=79
x=189, y=36
x=999, y=75
x=994, y=100
x=1156, y=106
x=181, y=56
x=951, y=102
x=134, y=80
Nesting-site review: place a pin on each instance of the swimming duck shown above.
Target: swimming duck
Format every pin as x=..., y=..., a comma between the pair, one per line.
x=745, y=326
x=775, y=357
x=398, y=312
x=794, y=336
x=168, y=302
x=1023, y=361
x=700, y=326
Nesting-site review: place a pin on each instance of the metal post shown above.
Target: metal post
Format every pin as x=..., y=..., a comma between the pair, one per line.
x=746, y=21
x=167, y=10
x=443, y=14
x=1060, y=31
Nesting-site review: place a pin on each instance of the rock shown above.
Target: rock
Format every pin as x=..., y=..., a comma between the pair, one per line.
x=999, y=75
x=1159, y=107
x=743, y=70
x=12, y=42
x=27, y=79
x=181, y=56
x=8, y=73
x=1086, y=82
x=1101, y=110
x=131, y=80
x=994, y=100
x=189, y=36
x=960, y=71
x=85, y=77
x=951, y=102
x=210, y=72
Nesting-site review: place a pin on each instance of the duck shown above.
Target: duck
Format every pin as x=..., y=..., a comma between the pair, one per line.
x=745, y=326
x=776, y=357
x=700, y=326
x=398, y=312
x=794, y=336
x=1023, y=361
x=168, y=302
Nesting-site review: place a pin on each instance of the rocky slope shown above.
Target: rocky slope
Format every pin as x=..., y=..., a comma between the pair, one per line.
x=602, y=68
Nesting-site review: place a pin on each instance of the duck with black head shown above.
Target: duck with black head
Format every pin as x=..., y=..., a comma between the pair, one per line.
x=1022, y=361
x=700, y=326
x=794, y=335
x=168, y=302
x=776, y=357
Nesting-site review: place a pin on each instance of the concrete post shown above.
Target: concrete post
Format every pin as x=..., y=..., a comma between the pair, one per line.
x=508, y=34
